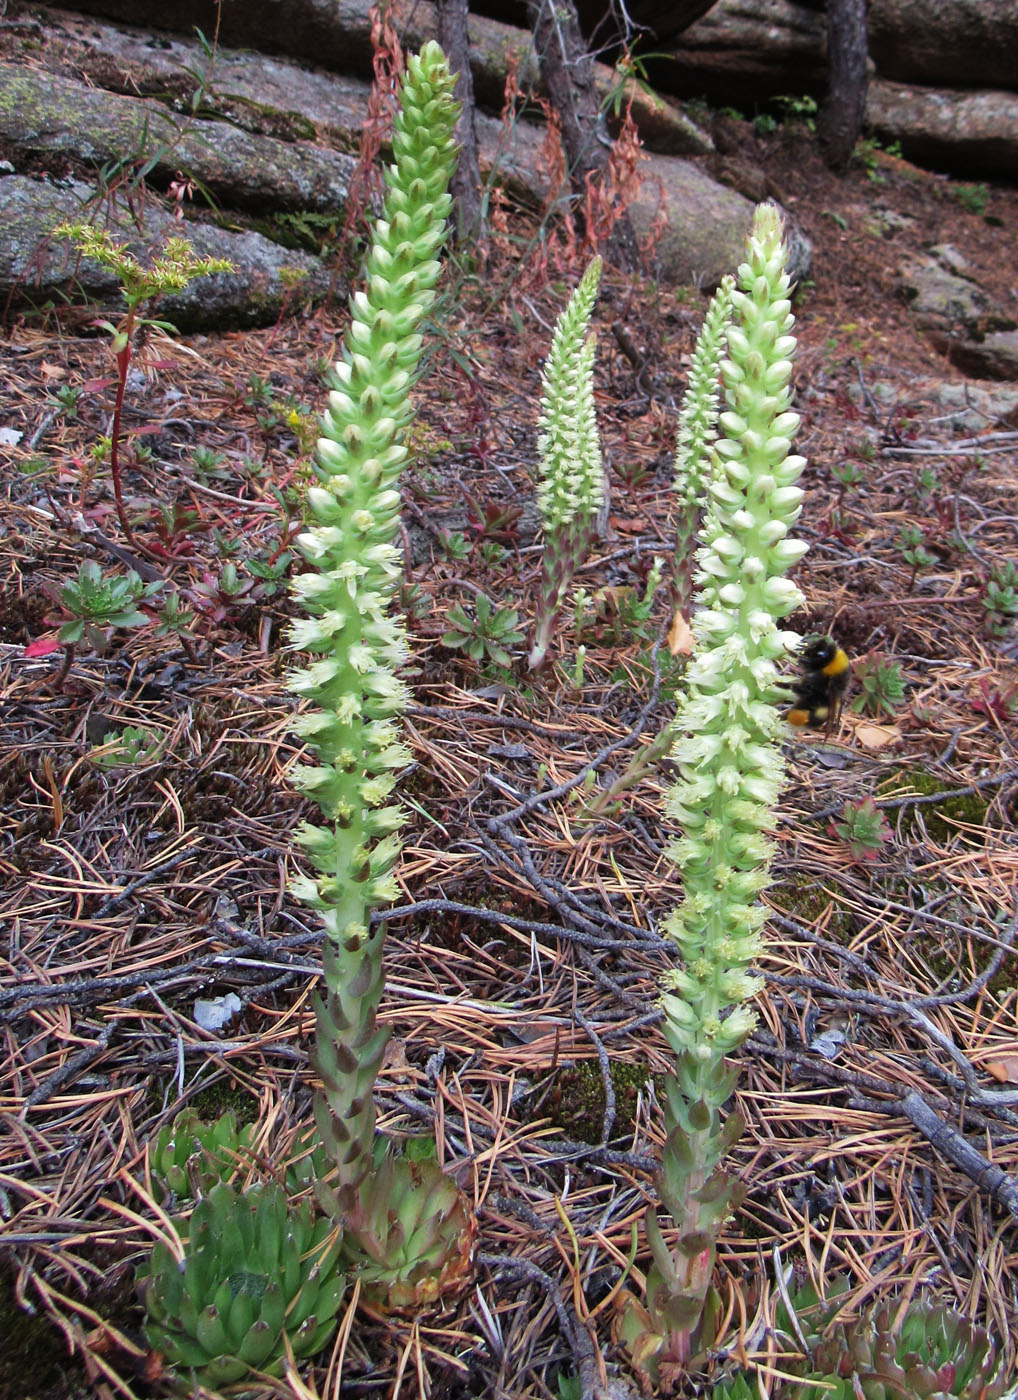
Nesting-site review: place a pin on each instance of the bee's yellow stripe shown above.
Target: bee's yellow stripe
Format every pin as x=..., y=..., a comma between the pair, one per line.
x=838, y=663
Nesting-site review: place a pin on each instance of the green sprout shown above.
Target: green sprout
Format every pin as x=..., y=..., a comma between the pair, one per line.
x=863, y=828
x=911, y=547
x=170, y=271
x=1000, y=598
x=96, y=603
x=881, y=686
x=486, y=635
x=455, y=544
x=131, y=747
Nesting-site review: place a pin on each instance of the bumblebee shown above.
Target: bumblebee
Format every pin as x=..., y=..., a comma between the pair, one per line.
x=820, y=688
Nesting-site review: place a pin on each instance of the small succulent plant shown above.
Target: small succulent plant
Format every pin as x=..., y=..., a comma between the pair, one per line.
x=247, y=1277
x=409, y=1236
x=863, y=829
x=96, y=601
x=933, y=1353
x=191, y=1156
x=486, y=635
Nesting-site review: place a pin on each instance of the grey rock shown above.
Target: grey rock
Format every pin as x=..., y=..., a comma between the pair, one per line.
x=755, y=48
x=962, y=119
x=960, y=319
x=336, y=35
x=36, y=269
x=45, y=117
x=961, y=407
x=705, y=225
x=949, y=256
x=266, y=131
x=963, y=133
x=779, y=46
x=958, y=43
x=974, y=409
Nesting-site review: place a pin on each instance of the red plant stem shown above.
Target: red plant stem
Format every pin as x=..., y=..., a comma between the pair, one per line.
x=61, y=675
x=123, y=363
x=285, y=542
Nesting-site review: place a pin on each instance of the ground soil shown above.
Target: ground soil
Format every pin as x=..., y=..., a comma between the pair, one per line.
x=133, y=888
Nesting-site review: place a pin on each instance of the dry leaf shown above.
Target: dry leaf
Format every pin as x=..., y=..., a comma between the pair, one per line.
x=1004, y=1070
x=51, y=371
x=680, y=636
x=878, y=736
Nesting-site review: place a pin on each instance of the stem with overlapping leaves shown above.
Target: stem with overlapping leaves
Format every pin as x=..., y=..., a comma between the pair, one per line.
x=358, y=646
x=570, y=487
x=730, y=773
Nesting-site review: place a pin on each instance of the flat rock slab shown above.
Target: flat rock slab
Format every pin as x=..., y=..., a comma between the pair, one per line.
x=965, y=133
x=958, y=317
x=336, y=34
x=962, y=407
x=36, y=269
x=52, y=121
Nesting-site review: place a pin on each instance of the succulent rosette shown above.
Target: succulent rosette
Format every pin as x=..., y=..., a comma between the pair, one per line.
x=247, y=1271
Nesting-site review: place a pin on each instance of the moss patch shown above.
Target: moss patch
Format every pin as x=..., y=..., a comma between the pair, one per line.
x=575, y=1102
x=800, y=897
x=940, y=819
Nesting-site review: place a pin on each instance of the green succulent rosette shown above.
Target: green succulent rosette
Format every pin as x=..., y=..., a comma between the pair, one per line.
x=190, y=1156
x=249, y=1271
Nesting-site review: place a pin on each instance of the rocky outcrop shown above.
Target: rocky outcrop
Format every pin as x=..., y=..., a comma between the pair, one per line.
x=958, y=317
x=747, y=51
x=955, y=43
x=337, y=37
x=963, y=116
x=267, y=142
x=54, y=122
x=971, y=133
x=950, y=43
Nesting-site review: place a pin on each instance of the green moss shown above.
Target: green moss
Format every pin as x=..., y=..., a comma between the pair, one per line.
x=803, y=899
x=224, y=1093
x=575, y=1102
x=940, y=819
x=302, y=230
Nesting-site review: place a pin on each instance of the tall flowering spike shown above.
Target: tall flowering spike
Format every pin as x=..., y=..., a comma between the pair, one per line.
x=570, y=488
x=697, y=430
x=353, y=515
x=730, y=773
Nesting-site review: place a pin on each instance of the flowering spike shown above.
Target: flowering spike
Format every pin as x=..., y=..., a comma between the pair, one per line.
x=353, y=516
x=570, y=489
x=727, y=751
x=697, y=431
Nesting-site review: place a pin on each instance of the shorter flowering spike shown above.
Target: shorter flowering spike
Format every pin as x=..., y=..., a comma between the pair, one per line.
x=697, y=431
x=570, y=488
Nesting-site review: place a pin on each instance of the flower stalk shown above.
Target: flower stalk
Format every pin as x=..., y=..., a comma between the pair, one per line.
x=358, y=645
x=570, y=489
x=730, y=774
x=693, y=469
x=698, y=418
